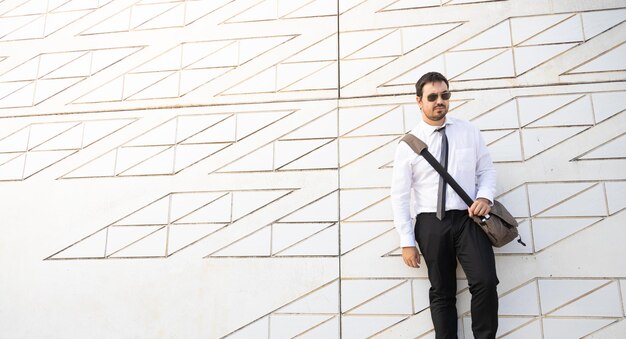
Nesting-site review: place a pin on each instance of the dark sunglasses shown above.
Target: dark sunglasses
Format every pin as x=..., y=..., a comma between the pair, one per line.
x=433, y=96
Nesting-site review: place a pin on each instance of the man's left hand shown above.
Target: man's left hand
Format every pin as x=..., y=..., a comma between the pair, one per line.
x=480, y=207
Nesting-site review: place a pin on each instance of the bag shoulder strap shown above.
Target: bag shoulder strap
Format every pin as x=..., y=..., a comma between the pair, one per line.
x=419, y=147
x=416, y=144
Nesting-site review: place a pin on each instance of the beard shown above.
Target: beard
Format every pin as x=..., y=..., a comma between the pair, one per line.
x=438, y=113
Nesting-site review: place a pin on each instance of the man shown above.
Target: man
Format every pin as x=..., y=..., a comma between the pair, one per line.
x=447, y=234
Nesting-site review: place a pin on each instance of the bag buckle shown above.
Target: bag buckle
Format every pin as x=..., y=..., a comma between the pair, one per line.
x=484, y=218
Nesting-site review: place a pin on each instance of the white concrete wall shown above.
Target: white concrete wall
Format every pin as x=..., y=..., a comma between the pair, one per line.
x=210, y=168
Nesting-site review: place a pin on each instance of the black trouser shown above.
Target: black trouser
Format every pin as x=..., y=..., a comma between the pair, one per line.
x=441, y=243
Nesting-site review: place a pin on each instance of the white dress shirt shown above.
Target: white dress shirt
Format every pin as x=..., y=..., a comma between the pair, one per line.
x=415, y=183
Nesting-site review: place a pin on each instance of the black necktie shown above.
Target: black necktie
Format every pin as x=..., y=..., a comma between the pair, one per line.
x=441, y=193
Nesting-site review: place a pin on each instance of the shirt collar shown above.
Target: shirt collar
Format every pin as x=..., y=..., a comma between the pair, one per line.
x=429, y=129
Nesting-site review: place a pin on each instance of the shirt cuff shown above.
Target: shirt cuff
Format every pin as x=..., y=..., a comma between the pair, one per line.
x=407, y=240
x=486, y=195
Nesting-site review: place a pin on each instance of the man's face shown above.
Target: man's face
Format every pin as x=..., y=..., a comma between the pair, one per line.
x=433, y=112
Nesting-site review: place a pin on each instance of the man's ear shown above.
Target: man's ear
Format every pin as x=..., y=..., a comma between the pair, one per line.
x=419, y=101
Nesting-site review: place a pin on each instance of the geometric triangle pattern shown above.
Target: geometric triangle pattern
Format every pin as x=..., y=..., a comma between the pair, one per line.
x=176, y=144
x=555, y=211
x=556, y=294
x=313, y=315
x=169, y=224
x=285, y=240
x=29, y=84
x=389, y=43
x=267, y=131
x=364, y=327
x=312, y=68
x=561, y=299
x=287, y=326
x=610, y=61
x=183, y=69
x=356, y=234
x=363, y=52
x=365, y=205
x=295, y=150
x=527, y=301
x=308, y=231
x=37, y=19
x=37, y=146
x=284, y=9
x=368, y=136
x=147, y=15
x=356, y=149
x=517, y=45
x=288, y=155
x=573, y=327
x=548, y=213
x=367, y=307
x=570, y=307
x=379, y=297
x=612, y=149
x=549, y=231
x=601, y=302
x=323, y=209
x=320, y=301
x=524, y=127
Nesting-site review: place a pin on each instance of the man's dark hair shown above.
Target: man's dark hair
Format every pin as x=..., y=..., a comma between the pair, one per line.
x=428, y=78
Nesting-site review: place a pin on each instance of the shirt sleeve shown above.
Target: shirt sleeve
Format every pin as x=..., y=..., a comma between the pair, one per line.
x=485, y=171
x=401, y=194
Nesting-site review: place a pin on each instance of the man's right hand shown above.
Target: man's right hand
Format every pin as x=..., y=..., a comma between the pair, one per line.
x=411, y=256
